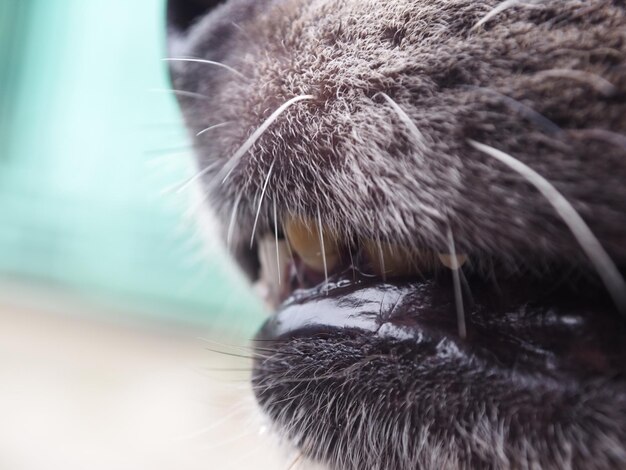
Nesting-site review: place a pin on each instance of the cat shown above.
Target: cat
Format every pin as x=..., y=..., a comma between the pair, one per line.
x=433, y=194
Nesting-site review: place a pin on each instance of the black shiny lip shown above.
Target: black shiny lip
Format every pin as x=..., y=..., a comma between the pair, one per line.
x=363, y=353
x=520, y=325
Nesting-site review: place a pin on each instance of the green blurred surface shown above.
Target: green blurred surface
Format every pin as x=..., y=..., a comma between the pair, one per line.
x=83, y=176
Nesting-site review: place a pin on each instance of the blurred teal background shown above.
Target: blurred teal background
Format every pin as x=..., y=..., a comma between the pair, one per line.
x=89, y=145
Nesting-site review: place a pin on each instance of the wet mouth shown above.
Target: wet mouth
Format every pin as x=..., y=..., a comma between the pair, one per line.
x=318, y=284
x=521, y=326
x=360, y=321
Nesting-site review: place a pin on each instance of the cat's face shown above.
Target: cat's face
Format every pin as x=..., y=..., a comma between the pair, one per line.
x=350, y=147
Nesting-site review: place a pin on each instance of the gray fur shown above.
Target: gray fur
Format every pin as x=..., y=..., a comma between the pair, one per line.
x=543, y=81
x=496, y=422
x=492, y=84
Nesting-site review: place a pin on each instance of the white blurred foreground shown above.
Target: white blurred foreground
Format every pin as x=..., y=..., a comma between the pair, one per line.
x=79, y=394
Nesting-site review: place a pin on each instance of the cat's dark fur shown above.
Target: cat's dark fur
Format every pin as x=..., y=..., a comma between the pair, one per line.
x=542, y=81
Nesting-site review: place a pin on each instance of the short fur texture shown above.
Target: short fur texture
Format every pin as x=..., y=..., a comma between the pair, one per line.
x=354, y=384
x=543, y=81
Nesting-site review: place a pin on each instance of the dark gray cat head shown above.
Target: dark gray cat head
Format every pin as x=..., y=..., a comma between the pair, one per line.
x=434, y=193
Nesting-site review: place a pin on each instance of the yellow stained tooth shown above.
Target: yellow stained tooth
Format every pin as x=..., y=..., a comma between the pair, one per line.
x=395, y=260
x=304, y=238
x=450, y=262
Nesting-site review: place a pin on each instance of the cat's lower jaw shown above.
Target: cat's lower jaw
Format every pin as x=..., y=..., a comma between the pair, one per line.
x=371, y=374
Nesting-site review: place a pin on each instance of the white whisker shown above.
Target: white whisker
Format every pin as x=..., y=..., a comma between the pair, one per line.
x=614, y=138
x=196, y=177
x=602, y=262
x=352, y=265
x=230, y=440
x=248, y=144
x=293, y=259
x=600, y=84
x=215, y=126
x=517, y=106
x=456, y=281
x=189, y=94
x=204, y=61
x=231, y=224
x=236, y=410
x=258, y=209
x=502, y=7
x=321, y=235
x=407, y=121
x=276, y=239
x=183, y=149
x=296, y=461
x=381, y=256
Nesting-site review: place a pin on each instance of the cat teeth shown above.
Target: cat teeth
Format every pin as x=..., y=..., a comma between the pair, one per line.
x=319, y=251
x=452, y=262
x=274, y=259
x=395, y=260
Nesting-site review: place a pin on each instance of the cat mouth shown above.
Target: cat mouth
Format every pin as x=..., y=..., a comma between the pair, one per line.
x=519, y=324
x=368, y=326
x=316, y=283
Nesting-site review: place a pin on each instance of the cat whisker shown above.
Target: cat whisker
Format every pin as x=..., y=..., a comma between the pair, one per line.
x=236, y=410
x=456, y=281
x=276, y=239
x=258, y=210
x=171, y=150
x=407, y=121
x=600, y=84
x=503, y=7
x=271, y=351
x=247, y=349
x=526, y=111
x=320, y=229
x=196, y=177
x=604, y=265
x=296, y=461
x=327, y=375
x=231, y=224
x=247, y=353
x=214, y=126
x=226, y=369
x=204, y=61
x=614, y=138
x=248, y=144
x=293, y=261
x=240, y=356
x=188, y=94
x=381, y=256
